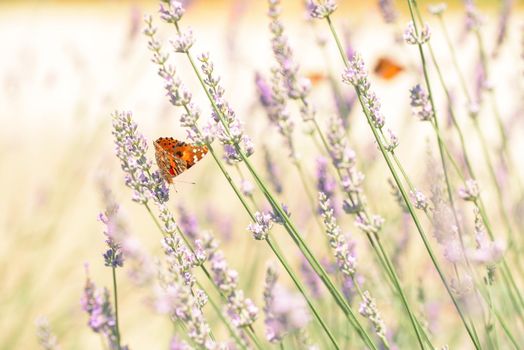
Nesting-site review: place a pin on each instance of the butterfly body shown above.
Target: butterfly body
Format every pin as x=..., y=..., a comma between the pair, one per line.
x=173, y=157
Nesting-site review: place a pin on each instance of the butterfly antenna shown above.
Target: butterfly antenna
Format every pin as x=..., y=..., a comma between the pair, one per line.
x=186, y=182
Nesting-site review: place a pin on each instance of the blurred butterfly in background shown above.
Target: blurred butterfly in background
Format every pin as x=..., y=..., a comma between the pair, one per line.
x=173, y=157
x=387, y=68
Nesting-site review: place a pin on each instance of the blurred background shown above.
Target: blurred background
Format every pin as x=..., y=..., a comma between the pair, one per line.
x=65, y=66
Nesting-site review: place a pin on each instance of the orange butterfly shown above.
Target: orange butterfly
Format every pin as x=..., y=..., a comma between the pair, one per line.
x=173, y=157
x=387, y=69
x=316, y=77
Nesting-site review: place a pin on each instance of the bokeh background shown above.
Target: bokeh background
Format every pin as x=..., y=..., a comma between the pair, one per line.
x=66, y=65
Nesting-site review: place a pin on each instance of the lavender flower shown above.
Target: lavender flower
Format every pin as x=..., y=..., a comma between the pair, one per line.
x=342, y=156
x=321, y=8
x=114, y=256
x=413, y=38
x=183, y=41
x=419, y=200
x=470, y=191
x=188, y=223
x=437, y=9
x=487, y=252
x=182, y=303
x=263, y=90
x=388, y=11
x=325, y=183
x=473, y=19
x=311, y=279
x=260, y=228
x=180, y=258
x=297, y=88
x=177, y=94
x=228, y=126
x=178, y=344
x=278, y=112
x=284, y=312
x=97, y=304
x=356, y=75
x=346, y=260
x=242, y=311
x=369, y=310
x=276, y=217
x=131, y=148
x=420, y=103
x=171, y=12
x=369, y=225
x=502, y=25
x=46, y=339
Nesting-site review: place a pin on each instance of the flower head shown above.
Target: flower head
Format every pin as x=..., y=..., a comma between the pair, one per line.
x=131, y=147
x=413, y=37
x=260, y=228
x=420, y=102
x=470, y=191
x=321, y=8
x=284, y=312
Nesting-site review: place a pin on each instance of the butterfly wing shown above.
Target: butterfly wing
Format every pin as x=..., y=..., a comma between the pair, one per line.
x=190, y=154
x=387, y=69
x=173, y=157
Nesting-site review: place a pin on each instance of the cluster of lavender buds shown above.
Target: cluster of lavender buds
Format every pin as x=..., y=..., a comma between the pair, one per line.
x=229, y=128
x=345, y=258
x=183, y=303
x=115, y=231
x=388, y=11
x=122, y=244
x=368, y=309
x=171, y=11
x=284, y=312
x=241, y=310
x=321, y=8
x=325, y=183
x=420, y=103
x=437, y=9
x=260, y=228
x=101, y=318
x=179, y=256
x=356, y=74
x=278, y=112
x=344, y=159
x=131, y=147
x=46, y=339
x=342, y=156
x=488, y=252
x=470, y=191
x=177, y=94
x=263, y=90
x=183, y=41
x=178, y=344
x=297, y=87
x=473, y=18
x=413, y=38
x=420, y=201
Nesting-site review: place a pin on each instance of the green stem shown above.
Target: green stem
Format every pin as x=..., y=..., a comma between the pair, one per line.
x=116, y=308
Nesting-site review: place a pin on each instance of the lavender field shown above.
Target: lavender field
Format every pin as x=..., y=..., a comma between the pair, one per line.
x=245, y=174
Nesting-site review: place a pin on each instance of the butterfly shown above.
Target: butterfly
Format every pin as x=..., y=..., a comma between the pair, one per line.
x=387, y=69
x=173, y=157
